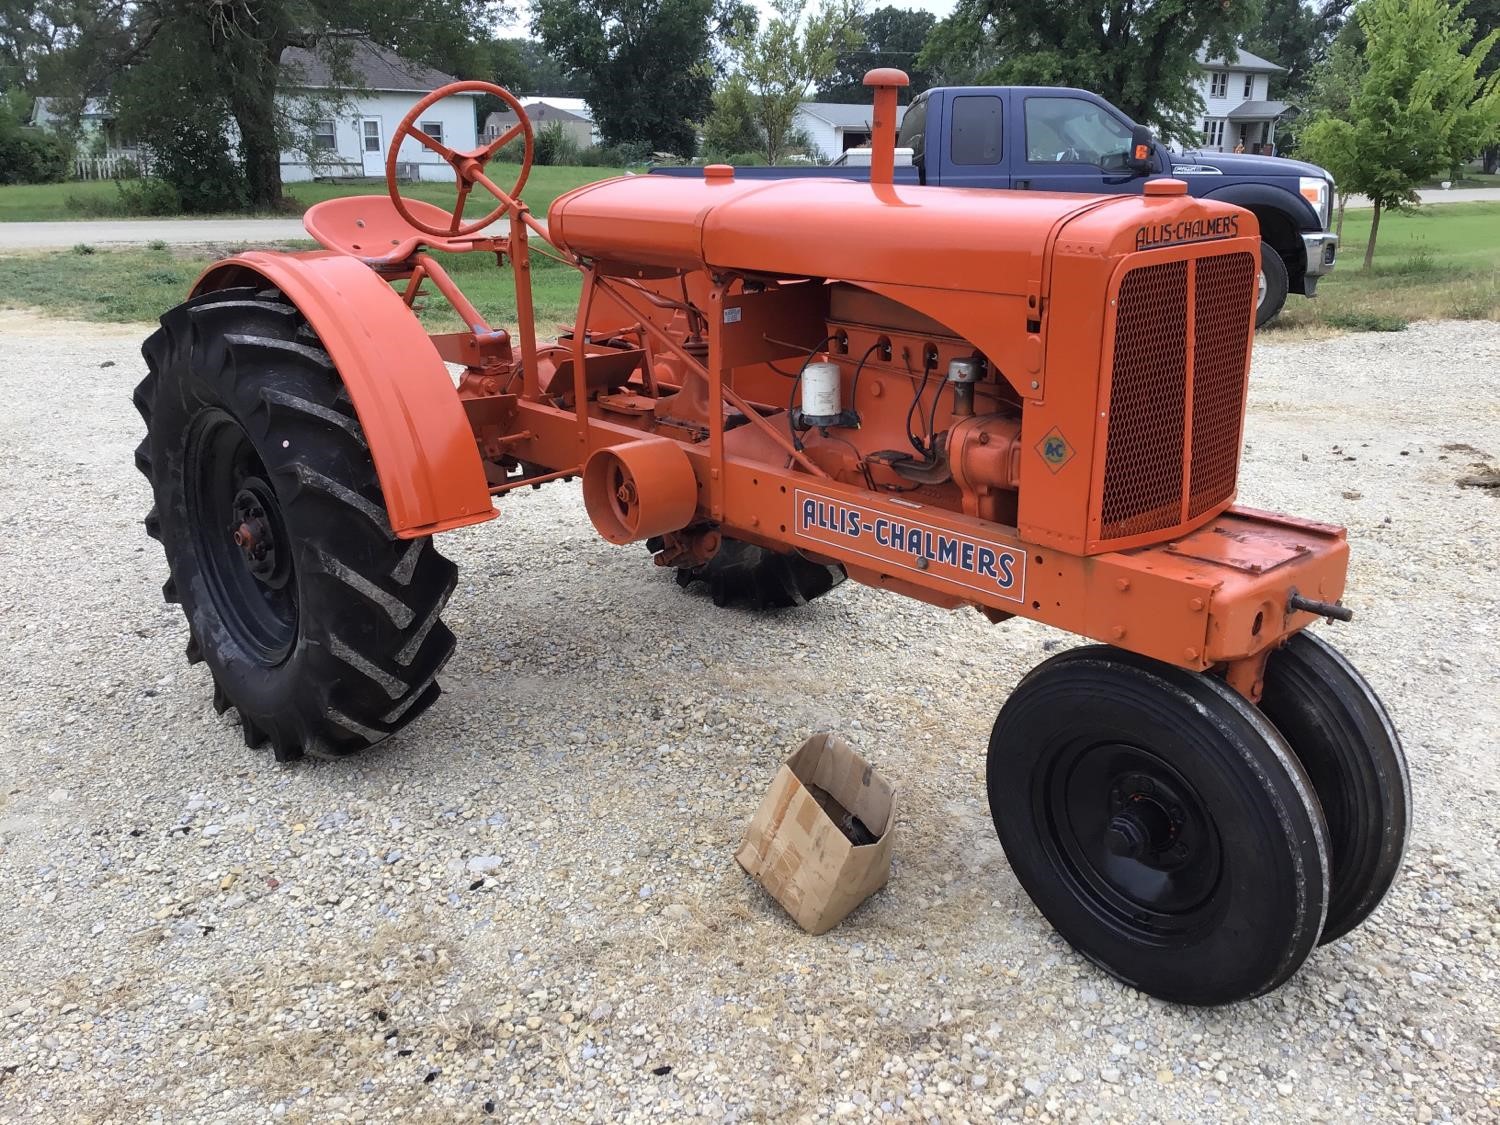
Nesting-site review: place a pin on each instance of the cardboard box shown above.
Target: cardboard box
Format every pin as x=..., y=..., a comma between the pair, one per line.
x=796, y=847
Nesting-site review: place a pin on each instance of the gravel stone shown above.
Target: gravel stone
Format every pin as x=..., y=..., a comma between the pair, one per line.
x=456, y=925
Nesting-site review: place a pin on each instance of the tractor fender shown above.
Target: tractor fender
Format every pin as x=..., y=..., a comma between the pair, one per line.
x=419, y=436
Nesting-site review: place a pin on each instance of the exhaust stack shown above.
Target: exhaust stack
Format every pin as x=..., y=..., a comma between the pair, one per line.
x=885, y=80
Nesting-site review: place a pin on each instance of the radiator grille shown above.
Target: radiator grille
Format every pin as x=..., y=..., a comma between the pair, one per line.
x=1148, y=394
x=1221, y=333
x=1145, y=470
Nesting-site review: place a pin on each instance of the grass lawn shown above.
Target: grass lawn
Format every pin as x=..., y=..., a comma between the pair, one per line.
x=1442, y=262
x=83, y=201
x=137, y=285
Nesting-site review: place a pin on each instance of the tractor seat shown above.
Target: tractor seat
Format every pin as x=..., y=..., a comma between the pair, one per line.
x=370, y=228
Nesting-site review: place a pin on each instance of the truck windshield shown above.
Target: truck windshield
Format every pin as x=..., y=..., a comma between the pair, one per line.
x=1072, y=131
x=914, y=129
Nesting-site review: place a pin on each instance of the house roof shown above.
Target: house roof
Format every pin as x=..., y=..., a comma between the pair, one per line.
x=44, y=110
x=371, y=66
x=1243, y=60
x=844, y=115
x=540, y=112
x=1256, y=111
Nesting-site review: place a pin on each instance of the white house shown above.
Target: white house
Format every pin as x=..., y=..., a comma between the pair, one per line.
x=353, y=141
x=1237, y=105
x=834, y=127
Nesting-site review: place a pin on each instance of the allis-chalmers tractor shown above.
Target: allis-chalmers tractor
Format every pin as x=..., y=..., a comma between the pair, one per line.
x=1023, y=402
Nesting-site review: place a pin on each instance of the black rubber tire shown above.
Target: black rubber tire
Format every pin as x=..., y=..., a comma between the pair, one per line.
x=1238, y=907
x=1337, y=727
x=361, y=640
x=749, y=575
x=1274, y=270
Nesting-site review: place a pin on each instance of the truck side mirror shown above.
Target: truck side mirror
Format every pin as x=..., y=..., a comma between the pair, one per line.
x=1142, y=146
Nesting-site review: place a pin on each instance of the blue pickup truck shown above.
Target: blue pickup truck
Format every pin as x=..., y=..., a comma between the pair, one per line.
x=1055, y=138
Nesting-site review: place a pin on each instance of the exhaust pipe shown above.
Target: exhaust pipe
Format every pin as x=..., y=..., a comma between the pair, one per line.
x=885, y=80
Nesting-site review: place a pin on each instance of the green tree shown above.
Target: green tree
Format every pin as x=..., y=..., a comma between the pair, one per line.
x=1332, y=89
x=1418, y=108
x=1141, y=56
x=225, y=59
x=731, y=128
x=646, y=66
x=1486, y=17
x=890, y=36
x=795, y=52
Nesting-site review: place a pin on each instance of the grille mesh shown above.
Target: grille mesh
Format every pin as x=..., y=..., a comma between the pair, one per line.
x=1148, y=395
x=1150, y=385
x=1222, y=331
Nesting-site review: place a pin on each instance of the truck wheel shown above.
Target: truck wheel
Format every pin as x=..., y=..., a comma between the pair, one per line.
x=1343, y=737
x=320, y=627
x=1161, y=824
x=1273, y=285
x=745, y=574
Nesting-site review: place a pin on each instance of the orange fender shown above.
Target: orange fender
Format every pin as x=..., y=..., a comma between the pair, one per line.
x=419, y=435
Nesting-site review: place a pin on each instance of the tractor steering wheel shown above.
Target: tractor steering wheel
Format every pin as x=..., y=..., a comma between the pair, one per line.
x=467, y=166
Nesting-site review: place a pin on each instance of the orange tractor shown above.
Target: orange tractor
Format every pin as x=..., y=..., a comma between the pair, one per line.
x=1026, y=403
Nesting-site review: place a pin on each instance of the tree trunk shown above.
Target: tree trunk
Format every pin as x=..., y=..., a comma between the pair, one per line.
x=1491, y=159
x=1343, y=204
x=1374, y=230
x=253, y=103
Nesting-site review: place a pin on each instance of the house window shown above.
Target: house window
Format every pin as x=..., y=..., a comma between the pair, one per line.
x=1249, y=84
x=1218, y=84
x=1213, y=132
x=324, y=138
x=433, y=129
x=371, y=135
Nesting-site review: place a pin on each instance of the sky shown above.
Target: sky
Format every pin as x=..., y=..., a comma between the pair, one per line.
x=521, y=24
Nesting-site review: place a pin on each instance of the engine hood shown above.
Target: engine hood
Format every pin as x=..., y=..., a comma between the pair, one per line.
x=1242, y=164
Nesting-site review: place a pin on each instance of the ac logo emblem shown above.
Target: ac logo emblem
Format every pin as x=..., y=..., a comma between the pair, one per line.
x=1055, y=449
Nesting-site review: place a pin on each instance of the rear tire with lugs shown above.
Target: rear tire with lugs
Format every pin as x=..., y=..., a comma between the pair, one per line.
x=321, y=628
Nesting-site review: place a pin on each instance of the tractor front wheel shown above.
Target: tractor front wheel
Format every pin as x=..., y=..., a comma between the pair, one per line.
x=320, y=627
x=1161, y=824
x=1340, y=732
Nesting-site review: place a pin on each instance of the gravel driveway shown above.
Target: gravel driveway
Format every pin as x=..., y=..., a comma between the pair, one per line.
x=527, y=905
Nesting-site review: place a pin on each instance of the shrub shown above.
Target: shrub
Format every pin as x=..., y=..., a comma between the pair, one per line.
x=31, y=156
x=555, y=146
x=147, y=196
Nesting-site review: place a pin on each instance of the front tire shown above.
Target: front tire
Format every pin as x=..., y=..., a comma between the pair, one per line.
x=1273, y=285
x=321, y=628
x=1160, y=824
x=1340, y=732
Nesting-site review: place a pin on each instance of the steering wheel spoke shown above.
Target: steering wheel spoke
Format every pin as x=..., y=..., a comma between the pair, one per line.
x=487, y=153
x=467, y=166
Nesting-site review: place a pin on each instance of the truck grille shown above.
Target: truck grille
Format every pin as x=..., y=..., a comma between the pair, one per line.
x=1153, y=481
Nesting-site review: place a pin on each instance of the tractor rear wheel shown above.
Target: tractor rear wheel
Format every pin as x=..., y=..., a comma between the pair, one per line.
x=1343, y=737
x=1160, y=824
x=746, y=574
x=320, y=627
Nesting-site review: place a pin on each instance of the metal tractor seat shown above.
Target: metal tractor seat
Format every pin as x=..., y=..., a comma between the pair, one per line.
x=370, y=228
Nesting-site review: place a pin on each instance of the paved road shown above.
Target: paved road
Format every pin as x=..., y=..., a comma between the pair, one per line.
x=1437, y=195
x=175, y=232
x=246, y=232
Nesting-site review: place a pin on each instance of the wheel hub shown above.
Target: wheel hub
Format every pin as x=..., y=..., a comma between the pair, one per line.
x=1137, y=834
x=254, y=535
x=240, y=538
